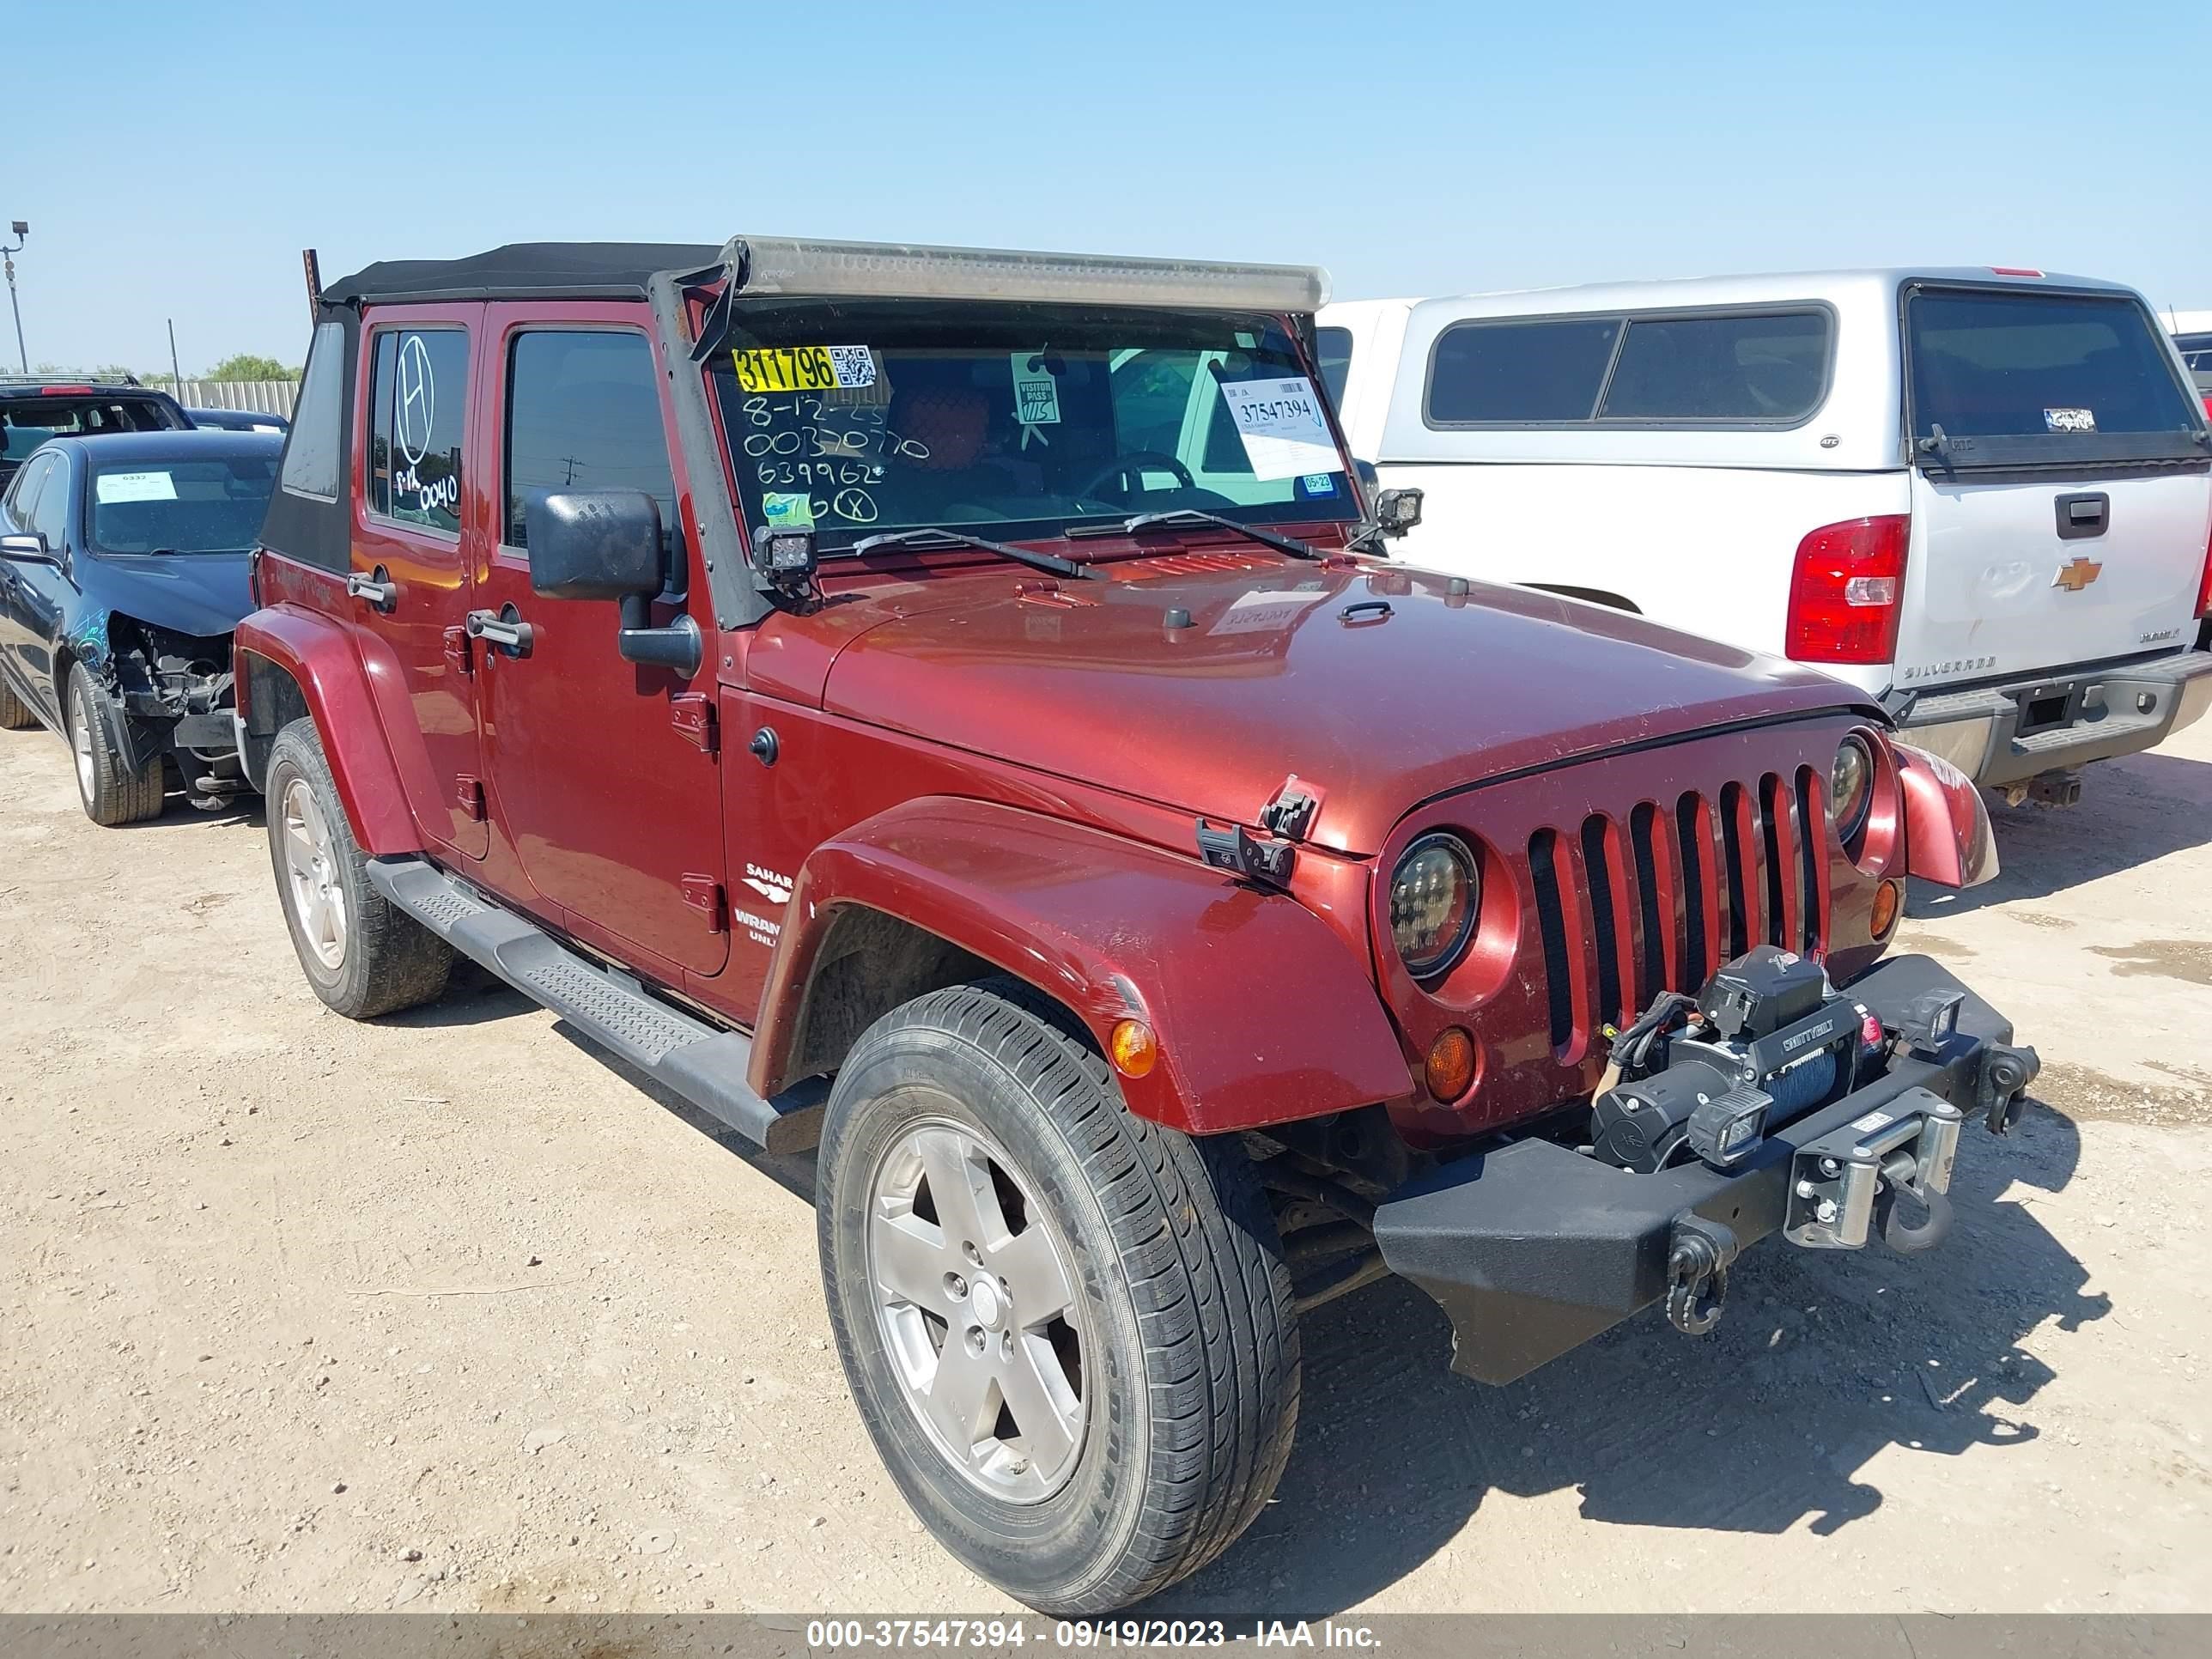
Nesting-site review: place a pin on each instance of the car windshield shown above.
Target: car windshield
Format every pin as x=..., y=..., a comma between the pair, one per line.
x=205, y=505
x=856, y=419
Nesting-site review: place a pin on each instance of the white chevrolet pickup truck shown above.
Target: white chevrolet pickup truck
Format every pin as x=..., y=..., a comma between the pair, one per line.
x=1983, y=495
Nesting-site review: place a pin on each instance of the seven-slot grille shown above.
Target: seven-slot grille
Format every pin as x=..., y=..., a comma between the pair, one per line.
x=1628, y=907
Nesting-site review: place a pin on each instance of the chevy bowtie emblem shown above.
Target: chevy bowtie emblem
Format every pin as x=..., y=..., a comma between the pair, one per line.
x=2077, y=574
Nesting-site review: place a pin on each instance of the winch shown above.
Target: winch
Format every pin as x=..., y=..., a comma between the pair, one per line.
x=1707, y=1077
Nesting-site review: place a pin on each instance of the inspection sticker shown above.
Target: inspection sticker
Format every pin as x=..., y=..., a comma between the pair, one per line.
x=805, y=369
x=2070, y=420
x=788, y=510
x=1281, y=424
x=134, y=487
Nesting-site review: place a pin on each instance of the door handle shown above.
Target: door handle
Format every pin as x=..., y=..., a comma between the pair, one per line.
x=2085, y=514
x=378, y=589
x=503, y=627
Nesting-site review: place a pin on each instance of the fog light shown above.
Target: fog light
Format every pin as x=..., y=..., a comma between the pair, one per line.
x=1885, y=909
x=1136, y=1049
x=1726, y=1127
x=1451, y=1064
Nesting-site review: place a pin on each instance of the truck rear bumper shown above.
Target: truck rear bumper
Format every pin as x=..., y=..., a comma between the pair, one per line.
x=2004, y=734
x=1534, y=1248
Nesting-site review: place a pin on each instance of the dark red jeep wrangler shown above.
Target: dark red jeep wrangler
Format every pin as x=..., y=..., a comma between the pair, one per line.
x=951, y=708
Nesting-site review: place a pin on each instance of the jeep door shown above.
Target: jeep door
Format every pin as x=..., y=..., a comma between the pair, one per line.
x=603, y=774
x=423, y=519
x=2059, y=518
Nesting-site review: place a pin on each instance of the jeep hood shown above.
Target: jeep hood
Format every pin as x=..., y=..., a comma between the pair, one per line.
x=1381, y=685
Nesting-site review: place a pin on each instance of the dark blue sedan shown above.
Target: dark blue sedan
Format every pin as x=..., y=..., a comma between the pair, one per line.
x=123, y=571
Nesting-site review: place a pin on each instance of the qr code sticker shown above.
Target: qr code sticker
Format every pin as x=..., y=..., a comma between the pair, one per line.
x=855, y=365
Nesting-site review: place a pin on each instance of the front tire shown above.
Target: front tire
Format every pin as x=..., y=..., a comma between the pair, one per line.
x=363, y=956
x=111, y=791
x=1069, y=1331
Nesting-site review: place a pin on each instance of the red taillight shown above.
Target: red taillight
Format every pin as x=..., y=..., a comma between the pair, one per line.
x=2204, y=585
x=1845, y=590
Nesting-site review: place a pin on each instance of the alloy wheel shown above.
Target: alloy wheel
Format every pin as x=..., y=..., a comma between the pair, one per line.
x=979, y=1312
x=317, y=897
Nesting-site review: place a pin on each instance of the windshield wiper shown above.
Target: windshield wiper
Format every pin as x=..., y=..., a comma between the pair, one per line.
x=1143, y=521
x=931, y=536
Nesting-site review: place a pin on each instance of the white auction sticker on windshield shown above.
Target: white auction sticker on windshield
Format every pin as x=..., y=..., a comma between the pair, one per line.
x=113, y=487
x=1281, y=424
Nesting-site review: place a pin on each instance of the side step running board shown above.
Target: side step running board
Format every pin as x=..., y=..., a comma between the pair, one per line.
x=701, y=1063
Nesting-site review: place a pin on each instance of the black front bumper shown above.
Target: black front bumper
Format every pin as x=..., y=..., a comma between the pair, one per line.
x=1534, y=1248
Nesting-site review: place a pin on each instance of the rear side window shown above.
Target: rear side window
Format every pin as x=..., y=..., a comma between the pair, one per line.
x=583, y=412
x=1747, y=368
x=2043, y=366
x=1514, y=372
x=1756, y=366
x=418, y=397
x=311, y=454
x=1334, y=347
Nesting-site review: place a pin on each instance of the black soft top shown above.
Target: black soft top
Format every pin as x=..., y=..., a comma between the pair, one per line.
x=526, y=270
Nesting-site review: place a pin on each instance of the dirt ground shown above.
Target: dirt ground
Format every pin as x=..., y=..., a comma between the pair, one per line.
x=443, y=1313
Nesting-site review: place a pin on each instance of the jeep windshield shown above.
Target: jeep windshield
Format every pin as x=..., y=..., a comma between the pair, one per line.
x=858, y=417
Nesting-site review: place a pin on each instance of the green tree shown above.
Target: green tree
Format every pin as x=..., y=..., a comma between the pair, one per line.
x=247, y=366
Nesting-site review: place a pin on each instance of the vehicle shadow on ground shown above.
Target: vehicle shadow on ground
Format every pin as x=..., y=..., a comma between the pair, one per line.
x=2133, y=811
x=1821, y=1361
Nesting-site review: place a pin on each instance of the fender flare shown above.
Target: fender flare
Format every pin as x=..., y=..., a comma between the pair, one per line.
x=1947, y=837
x=320, y=657
x=1262, y=1014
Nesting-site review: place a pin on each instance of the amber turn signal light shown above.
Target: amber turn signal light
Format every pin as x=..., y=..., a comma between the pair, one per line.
x=1886, y=898
x=1451, y=1064
x=1136, y=1050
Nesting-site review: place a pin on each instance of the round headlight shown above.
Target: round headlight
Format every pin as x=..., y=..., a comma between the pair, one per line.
x=1851, y=787
x=1433, y=896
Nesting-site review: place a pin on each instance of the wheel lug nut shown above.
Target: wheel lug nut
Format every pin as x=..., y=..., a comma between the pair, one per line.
x=974, y=1255
x=976, y=1340
x=955, y=1286
x=1006, y=1343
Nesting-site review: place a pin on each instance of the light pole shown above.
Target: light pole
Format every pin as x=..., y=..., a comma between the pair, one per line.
x=8, y=257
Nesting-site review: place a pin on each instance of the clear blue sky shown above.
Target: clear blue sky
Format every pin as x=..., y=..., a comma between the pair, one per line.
x=193, y=149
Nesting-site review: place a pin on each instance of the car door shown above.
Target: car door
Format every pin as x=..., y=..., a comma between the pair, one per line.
x=421, y=528
x=43, y=592
x=16, y=507
x=603, y=773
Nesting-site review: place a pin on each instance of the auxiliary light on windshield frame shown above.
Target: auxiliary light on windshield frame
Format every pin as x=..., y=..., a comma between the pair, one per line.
x=810, y=265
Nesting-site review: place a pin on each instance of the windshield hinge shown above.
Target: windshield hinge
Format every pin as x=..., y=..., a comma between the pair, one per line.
x=692, y=714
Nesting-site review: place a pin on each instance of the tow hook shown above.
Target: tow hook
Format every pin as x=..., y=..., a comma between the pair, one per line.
x=1698, y=1255
x=2002, y=1086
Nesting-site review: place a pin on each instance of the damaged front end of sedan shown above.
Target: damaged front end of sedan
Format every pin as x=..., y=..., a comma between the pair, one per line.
x=172, y=694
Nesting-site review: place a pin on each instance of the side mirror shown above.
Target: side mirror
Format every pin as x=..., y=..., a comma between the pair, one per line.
x=1397, y=511
x=594, y=544
x=605, y=544
x=1370, y=479
x=27, y=549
